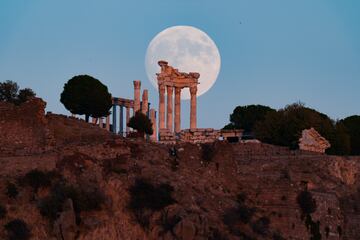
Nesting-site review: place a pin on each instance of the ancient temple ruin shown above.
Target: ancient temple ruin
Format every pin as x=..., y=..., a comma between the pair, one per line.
x=170, y=84
x=171, y=80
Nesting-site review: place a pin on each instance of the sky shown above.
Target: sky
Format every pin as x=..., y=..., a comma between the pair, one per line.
x=272, y=52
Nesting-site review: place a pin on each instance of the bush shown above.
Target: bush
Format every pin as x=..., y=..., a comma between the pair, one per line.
x=141, y=123
x=17, y=230
x=241, y=214
x=144, y=195
x=352, y=125
x=261, y=226
x=9, y=92
x=168, y=223
x=37, y=179
x=306, y=202
x=11, y=190
x=83, y=200
x=314, y=228
x=2, y=211
x=207, y=152
x=146, y=198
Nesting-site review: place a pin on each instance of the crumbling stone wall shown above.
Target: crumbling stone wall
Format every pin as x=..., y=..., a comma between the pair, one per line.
x=23, y=128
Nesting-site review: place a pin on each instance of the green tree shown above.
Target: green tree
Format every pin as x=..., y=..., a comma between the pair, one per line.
x=245, y=117
x=340, y=143
x=352, y=125
x=284, y=127
x=9, y=92
x=141, y=123
x=86, y=95
x=25, y=94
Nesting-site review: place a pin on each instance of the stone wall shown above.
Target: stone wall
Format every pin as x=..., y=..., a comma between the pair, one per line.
x=23, y=129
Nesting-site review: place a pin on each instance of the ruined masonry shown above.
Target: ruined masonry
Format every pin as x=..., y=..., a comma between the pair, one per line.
x=171, y=80
x=312, y=141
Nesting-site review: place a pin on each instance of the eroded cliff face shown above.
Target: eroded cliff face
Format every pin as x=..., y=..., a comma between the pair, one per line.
x=220, y=191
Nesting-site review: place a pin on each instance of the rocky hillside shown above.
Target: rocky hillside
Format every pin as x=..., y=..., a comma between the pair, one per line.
x=61, y=178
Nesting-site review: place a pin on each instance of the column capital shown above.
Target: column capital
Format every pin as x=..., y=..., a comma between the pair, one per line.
x=177, y=90
x=137, y=83
x=193, y=90
x=169, y=88
x=161, y=87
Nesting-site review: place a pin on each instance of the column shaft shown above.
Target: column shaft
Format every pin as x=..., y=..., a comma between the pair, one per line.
x=114, y=119
x=153, y=121
x=108, y=122
x=169, y=117
x=101, y=125
x=161, y=107
x=177, y=109
x=193, y=91
x=127, y=119
x=121, y=130
x=137, y=85
x=145, y=101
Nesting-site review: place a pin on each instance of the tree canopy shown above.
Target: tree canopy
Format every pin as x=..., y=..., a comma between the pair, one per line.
x=86, y=95
x=141, y=123
x=9, y=92
x=245, y=117
x=284, y=128
x=352, y=125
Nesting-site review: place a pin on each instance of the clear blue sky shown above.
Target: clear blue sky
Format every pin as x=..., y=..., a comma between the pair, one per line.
x=273, y=52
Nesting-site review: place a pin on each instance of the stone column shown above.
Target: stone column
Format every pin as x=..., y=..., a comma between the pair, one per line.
x=137, y=85
x=108, y=122
x=121, y=113
x=114, y=119
x=161, y=107
x=169, y=117
x=145, y=101
x=153, y=137
x=127, y=119
x=193, y=91
x=177, y=109
x=101, y=122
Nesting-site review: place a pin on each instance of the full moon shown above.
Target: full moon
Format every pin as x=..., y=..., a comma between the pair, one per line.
x=187, y=49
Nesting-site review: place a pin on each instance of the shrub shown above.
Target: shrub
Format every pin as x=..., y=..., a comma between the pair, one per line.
x=207, y=152
x=37, y=179
x=314, y=228
x=2, y=211
x=83, y=200
x=141, y=123
x=306, y=202
x=146, y=198
x=215, y=234
x=168, y=223
x=261, y=226
x=17, y=229
x=9, y=92
x=11, y=190
x=242, y=213
x=277, y=236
